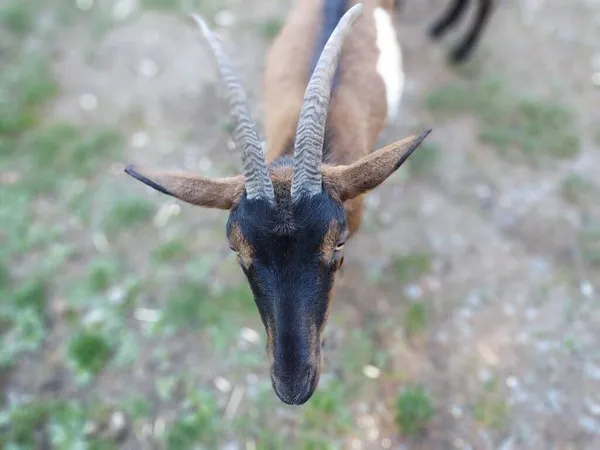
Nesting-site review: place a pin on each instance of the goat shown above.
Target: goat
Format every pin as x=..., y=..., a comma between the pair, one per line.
x=301, y=193
x=463, y=50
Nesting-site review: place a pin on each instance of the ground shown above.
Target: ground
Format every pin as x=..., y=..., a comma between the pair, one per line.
x=467, y=314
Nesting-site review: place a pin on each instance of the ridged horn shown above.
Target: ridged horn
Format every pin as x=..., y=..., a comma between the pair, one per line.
x=310, y=134
x=258, y=183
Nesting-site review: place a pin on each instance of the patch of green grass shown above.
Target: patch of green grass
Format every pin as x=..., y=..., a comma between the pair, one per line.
x=576, y=189
x=17, y=17
x=326, y=411
x=58, y=423
x=490, y=409
x=185, y=306
x=589, y=243
x=198, y=424
x=415, y=319
x=506, y=120
x=270, y=28
x=22, y=320
x=414, y=410
x=170, y=251
x=161, y=4
x=25, y=88
x=89, y=351
x=410, y=266
x=424, y=160
x=128, y=213
x=102, y=273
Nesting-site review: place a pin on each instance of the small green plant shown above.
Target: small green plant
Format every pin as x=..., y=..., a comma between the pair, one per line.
x=89, y=352
x=170, y=251
x=326, y=411
x=270, y=28
x=128, y=213
x=589, y=243
x=577, y=189
x=490, y=408
x=17, y=18
x=424, y=161
x=102, y=273
x=414, y=410
x=539, y=128
x=199, y=423
x=415, y=319
x=161, y=4
x=410, y=266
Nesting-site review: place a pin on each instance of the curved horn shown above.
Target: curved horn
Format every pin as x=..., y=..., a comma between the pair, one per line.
x=308, y=150
x=258, y=184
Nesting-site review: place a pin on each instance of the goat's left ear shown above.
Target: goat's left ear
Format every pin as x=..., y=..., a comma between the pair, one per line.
x=220, y=193
x=347, y=182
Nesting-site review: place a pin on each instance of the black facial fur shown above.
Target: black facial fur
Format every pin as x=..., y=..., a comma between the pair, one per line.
x=290, y=280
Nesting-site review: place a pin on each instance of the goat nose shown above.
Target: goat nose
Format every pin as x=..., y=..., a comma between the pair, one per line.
x=294, y=388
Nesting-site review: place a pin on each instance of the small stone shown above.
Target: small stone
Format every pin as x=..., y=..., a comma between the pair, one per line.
x=122, y=9
x=250, y=335
x=88, y=102
x=386, y=443
x=224, y=18
x=512, y=382
x=148, y=68
x=586, y=288
x=592, y=406
x=222, y=385
x=117, y=427
x=356, y=444
x=140, y=139
x=116, y=295
x=456, y=411
x=373, y=434
x=85, y=5
x=371, y=372
x=147, y=315
x=90, y=428
x=589, y=425
x=413, y=291
x=592, y=371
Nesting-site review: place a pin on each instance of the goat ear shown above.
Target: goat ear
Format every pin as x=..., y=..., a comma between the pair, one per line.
x=347, y=182
x=220, y=193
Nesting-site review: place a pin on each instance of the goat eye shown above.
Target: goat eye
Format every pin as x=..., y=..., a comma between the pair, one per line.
x=339, y=247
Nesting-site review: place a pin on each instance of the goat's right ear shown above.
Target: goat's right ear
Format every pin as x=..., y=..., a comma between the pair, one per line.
x=220, y=193
x=347, y=182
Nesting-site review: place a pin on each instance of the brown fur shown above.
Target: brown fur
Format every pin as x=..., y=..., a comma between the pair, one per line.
x=358, y=106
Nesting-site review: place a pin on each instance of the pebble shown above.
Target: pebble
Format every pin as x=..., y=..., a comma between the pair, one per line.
x=140, y=139
x=371, y=372
x=250, y=335
x=85, y=5
x=117, y=426
x=222, y=385
x=122, y=9
x=386, y=443
x=88, y=102
x=413, y=291
x=147, y=315
x=148, y=68
x=224, y=18
x=586, y=288
x=592, y=371
x=512, y=382
x=456, y=411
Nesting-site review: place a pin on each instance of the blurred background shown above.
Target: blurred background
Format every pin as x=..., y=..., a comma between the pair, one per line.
x=467, y=315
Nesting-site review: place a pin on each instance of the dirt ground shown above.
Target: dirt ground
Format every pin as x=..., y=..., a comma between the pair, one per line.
x=510, y=352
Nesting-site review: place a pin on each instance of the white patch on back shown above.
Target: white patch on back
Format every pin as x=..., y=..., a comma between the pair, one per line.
x=389, y=62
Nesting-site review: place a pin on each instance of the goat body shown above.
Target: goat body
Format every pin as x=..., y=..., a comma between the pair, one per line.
x=294, y=206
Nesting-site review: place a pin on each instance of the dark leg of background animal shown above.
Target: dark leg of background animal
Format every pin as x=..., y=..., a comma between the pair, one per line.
x=464, y=49
x=449, y=18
